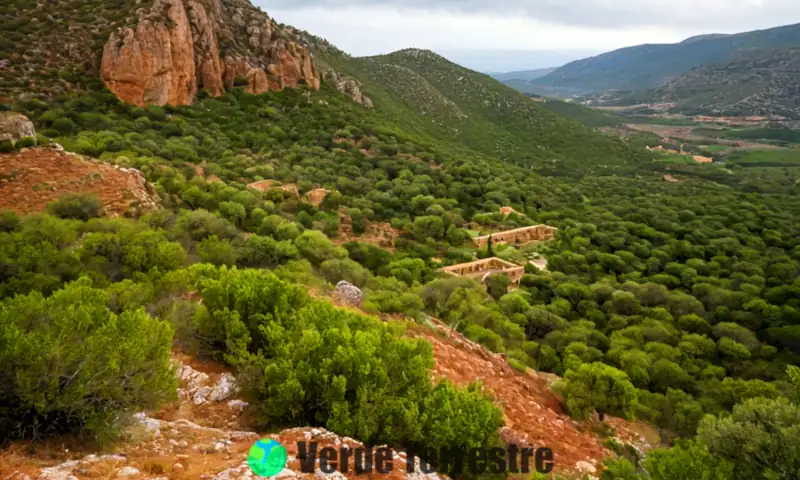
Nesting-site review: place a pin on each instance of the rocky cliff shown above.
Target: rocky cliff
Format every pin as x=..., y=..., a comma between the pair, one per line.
x=157, y=51
x=178, y=47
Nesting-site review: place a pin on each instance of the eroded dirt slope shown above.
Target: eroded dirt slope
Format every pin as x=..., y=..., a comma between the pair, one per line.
x=534, y=416
x=32, y=178
x=206, y=435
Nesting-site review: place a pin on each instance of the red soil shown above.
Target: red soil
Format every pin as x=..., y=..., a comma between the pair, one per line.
x=31, y=179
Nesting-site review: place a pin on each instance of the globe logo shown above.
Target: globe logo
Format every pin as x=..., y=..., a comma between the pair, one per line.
x=267, y=457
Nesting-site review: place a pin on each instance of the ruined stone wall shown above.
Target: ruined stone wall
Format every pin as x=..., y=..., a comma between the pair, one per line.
x=518, y=236
x=488, y=265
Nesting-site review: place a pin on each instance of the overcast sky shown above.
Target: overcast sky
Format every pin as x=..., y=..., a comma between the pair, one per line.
x=502, y=35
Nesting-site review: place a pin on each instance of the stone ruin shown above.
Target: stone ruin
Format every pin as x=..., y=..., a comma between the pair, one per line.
x=481, y=270
x=518, y=236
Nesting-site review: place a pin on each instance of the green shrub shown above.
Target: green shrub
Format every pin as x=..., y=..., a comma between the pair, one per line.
x=6, y=146
x=344, y=269
x=600, y=387
x=305, y=362
x=687, y=460
x=26, y=142
x=9, y=221
x=72, y=366
x=317, y=248
x=217, y=252
x=77, y=207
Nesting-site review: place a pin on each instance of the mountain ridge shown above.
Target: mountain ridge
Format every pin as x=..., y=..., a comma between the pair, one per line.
x=752, y=82
x=649, y=65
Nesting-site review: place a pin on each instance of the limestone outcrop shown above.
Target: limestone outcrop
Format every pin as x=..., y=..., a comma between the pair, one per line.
x=15, y=126
x=174, y=50
x=349, y=86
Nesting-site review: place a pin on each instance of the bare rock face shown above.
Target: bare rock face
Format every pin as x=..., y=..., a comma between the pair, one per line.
x=174, y=50
x=257, y=81
x=350, y=87
x=15, y=126
x=206, y=50
x=153, y=64
x=235, y=67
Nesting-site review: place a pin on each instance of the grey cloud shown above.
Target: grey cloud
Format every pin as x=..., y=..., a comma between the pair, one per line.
x=708, y=15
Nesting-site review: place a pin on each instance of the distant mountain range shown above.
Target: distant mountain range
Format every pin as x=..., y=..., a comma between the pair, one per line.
x=523, y=75
x=750, y=73
x=650, y=66
x=751, y=82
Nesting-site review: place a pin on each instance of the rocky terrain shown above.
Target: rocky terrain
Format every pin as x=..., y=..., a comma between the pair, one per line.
x=15, y=126
x=206, y=434
x=32, y=178
x=533, y=414
x=162, y=52
x=751, y=83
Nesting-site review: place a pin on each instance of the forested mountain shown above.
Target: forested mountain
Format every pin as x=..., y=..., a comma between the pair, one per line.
x=649, y=66
x=484, y=114
x=278, y=165
x=750, y=82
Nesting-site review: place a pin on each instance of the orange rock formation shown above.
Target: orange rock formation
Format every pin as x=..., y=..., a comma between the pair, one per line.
x=174, y=50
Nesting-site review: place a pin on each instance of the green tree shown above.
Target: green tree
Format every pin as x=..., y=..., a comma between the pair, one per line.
x=687, y=460
x=317, y=248
x=761, y=439
x=216, y=251
x=70, y=365
x=497, y=285
x=78, y=207
x=598, y=387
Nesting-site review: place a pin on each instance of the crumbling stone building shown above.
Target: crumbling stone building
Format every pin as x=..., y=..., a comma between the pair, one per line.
x=482, y=269
x=518, y=236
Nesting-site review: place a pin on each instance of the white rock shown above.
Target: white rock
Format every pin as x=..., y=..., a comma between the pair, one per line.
x=237, y=405
x=285, y=473
x=219, y=446
x=225, y=387
x=238, y=436
x=127, y=472
x=201, y=395
x=585, y=467
x=55, y=474
x=191, y=378
x=235, y=473
x=151, y=425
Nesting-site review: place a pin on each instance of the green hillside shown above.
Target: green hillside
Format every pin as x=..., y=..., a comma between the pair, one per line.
x=425, y=92
x=647, y=66
x=589, y=117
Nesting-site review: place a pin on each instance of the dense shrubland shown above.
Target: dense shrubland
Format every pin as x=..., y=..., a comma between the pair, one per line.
x=681, y=300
